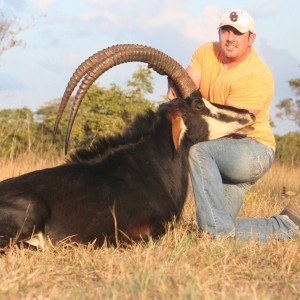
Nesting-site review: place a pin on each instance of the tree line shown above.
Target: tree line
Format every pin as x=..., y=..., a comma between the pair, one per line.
x=103, y=112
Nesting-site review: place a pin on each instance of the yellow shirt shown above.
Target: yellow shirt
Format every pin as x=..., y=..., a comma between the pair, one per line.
x=249, y=85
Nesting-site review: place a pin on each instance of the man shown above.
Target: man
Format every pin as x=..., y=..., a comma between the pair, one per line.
x=222, y=171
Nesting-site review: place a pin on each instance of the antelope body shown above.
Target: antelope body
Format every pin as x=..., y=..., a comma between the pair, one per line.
x=123, y=188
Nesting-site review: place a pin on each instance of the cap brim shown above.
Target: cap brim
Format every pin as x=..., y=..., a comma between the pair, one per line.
x=239, y=28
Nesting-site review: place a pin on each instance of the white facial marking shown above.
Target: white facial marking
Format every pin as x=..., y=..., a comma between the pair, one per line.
x=218, y=128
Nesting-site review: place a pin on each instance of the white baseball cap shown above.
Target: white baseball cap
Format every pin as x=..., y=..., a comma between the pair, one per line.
x=239, y=19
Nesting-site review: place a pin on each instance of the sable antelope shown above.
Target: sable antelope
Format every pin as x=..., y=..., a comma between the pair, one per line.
x=126, y=187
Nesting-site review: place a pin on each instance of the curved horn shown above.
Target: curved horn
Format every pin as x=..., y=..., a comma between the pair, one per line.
x=127, y=53
x=81, y=71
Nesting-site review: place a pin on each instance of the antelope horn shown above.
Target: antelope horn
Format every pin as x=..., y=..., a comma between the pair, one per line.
x=116, y=55
x=82, y=70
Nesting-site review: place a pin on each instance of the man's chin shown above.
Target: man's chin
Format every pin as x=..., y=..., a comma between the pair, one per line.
x=230, y=54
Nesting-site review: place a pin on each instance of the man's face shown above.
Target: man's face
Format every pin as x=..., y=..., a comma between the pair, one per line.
x=235, y=45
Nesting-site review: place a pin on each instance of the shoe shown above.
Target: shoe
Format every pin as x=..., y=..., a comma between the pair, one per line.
x=292, y=210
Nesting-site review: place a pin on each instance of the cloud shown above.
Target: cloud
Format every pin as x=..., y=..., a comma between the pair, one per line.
x=203, y=26
x=44, y=5
x=94, y=15
x=99, y=2
x=268, y=8
x=15, y=5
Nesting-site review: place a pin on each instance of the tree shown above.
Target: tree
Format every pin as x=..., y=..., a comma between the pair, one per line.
x=290, y=108
x=288, y=148
x=104, y=111
x=9, y=30
x=141, y=83
x=17, y=131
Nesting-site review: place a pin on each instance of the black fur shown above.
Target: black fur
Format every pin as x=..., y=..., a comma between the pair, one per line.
x=134, y=182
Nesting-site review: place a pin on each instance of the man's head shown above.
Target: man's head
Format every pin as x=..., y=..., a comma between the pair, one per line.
x=236, y=36
x=239, y=19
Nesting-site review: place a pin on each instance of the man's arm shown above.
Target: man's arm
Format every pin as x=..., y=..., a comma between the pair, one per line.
x=195, y=75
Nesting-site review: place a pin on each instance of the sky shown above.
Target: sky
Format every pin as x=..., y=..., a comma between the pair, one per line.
x=62, y=34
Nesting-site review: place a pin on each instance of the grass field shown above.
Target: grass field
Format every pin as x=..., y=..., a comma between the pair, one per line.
x=180, y=265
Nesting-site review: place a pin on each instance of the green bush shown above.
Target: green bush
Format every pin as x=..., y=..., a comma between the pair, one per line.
x=288, y=148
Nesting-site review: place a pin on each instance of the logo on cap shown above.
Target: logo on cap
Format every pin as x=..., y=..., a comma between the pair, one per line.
x=233, y=16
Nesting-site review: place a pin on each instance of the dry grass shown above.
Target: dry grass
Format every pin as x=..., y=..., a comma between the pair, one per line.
x=180, y=265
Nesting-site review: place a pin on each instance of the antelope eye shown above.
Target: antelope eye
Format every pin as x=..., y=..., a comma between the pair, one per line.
x=199, y=105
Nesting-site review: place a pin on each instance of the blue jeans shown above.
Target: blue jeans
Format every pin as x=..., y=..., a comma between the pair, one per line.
x=222, y=171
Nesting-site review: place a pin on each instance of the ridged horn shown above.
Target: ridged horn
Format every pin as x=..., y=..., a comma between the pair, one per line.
x=81, y=71
x=116, y=55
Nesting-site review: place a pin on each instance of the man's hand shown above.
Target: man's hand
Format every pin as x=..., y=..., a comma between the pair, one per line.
x=172, y=93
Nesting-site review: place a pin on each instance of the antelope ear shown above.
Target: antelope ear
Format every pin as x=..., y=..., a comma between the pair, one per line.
x=178, y=127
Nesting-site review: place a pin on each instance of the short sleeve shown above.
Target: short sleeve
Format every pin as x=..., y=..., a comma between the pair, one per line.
x=199, y=56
